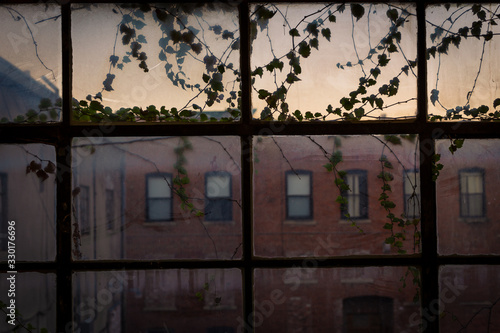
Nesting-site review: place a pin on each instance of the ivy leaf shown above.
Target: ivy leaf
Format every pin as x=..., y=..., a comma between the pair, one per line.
x=314, y=43
x=304, y=49
x=326, y=33
x=434, y=96
x=496, y=102
x=332, y=18
x=291, y=78
x=294, y=33
x=357, y=11
x=113, y=60
x=126, y=59
x=392, y=14
x=142, y=39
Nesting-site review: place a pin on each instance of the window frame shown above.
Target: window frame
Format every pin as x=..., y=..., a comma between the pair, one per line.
x=161, y=175
x=61, y=134
x=297, y=173
x=481, y=173
x=225, y=200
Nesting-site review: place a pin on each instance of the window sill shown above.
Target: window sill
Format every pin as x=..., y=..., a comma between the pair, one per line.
x=473, y=220
x=299, y=222
x=226, y=222
x=158, y=223
x=357, y=221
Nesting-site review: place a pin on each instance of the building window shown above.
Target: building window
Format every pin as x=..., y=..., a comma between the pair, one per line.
x=411, y=186
x=3, y=212
x=472, y=193
x=84, y=209
x=368, y=314
x=110, y=209
x=218, y=196
x=158, y=197
x=299, y=195
x=357, y=196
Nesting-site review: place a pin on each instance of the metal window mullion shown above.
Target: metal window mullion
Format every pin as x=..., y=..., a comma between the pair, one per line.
x=429, y=263
x=246, y=164
x=63, y=151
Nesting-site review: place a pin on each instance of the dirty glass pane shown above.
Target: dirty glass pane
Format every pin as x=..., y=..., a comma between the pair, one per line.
x=160, y=198
x=468, y=197
x=27, y=202
x=333, y=61
x=172, y=62
x=30, y=63
x=462, y=67
x=157, y=300
x=311, y=299
x=339, y=220
x=469, y=299
x=30, y=299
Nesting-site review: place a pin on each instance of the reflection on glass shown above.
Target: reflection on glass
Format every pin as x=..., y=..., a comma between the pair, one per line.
x=158, y=300
x=173, y=198
x=467, y=197
x=161, y=62
x=30, y=63
x=310, y=299
x=333, y=61
x=338, y=191
x=27, y=200
x=34, y=301
x=469, y=299
x=463, y=67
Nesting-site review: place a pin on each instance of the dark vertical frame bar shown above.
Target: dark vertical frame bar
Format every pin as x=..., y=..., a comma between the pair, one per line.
x=63, y=151
x=246, y=163
x=429, y=278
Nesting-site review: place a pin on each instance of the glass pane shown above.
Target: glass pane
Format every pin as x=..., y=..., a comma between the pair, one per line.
x=384, y=159
x=159, y=209
x=30, y=63
x=463, y=67
x=156, y=228
x=298, y=207
x=365, y=61
x=30, y=299
x=157, y=300
x=467, y=214
x=158, y=187
x=468, y=299
x=218, y=186
x=27, y=196
x=299, y=184
x=167, y=62
x=311, y=299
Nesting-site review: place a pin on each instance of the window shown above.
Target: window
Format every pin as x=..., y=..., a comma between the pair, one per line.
x=84, y=209
x=411, y=187
x=299, y=195
x=218, y=196
x=294, y=69
x=357, y=196
x=368, y=314
x=110, y=209
x=3, y=212
x=472, y=193
x=159, y=197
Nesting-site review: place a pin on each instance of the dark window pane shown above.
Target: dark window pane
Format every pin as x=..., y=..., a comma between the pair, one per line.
x=310, y=299
x=290, y=53
x=35, y=301
x=462, y=65
x=300, y=189
x=147, y=301
x=23, y=168
x=469, y=299
x=165, y=63
x=468, y=192
x=161, y=202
